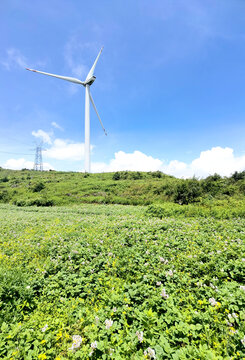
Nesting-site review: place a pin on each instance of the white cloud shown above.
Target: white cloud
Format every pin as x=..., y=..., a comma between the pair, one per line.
x=57, y=126
x=217, y=160
x=18, y=164
x=99, y=167
x=14, y=58
x=65, y=150
x=60, y=149
x=79, y=57
x=176, y=168
x=42, y=135
x=136, y=161
x=73, y=55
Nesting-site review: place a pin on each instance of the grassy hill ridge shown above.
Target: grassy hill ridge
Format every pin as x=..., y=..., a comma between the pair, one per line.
x=47, y=188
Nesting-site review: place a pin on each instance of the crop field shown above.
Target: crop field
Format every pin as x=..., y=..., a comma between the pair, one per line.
x=113, y=282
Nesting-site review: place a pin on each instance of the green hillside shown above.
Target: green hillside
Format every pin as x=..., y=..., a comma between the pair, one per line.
x=48, y=188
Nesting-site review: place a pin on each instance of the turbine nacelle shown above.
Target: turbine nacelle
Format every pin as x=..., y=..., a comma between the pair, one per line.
x=89, y=81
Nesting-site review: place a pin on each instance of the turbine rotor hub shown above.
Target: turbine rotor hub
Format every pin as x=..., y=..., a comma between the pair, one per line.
x=90, y=80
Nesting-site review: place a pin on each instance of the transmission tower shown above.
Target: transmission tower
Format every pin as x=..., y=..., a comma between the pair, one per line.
x=38, y=165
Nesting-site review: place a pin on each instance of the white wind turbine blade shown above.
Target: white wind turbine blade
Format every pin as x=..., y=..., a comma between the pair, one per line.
x=91, y=71
x=92, y=101
x=67, y=78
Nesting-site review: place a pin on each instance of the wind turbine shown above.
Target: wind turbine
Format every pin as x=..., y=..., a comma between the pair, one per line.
x=88, y=97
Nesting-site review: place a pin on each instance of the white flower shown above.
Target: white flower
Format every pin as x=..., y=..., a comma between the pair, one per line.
x=44, y=328
x=140, y=334
x=108, y=323
x=150, y=353
x=77, y=340
x=97, y=319
x=164, y=294
x=212, y=301
x=94, y=345
x=169, y=273
x=243, y=341
x=159, y=283
x=164, y=261
x=234, y=315
x=114, y=309
x=213, y=286
x=242, y=288
x=28, y=287
x=111, y=351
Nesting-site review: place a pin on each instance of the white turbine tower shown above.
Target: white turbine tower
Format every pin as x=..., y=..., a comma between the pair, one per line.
x=88, y=97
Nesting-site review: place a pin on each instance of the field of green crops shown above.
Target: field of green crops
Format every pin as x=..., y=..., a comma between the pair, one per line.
x=112, y=282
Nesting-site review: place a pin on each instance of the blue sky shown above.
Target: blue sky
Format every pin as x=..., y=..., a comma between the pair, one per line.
x=170, y=85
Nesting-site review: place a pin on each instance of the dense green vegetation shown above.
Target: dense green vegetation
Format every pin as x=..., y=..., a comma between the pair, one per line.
x=113, y=282
x=219, y=209
x=104, y=281
x=133, y=188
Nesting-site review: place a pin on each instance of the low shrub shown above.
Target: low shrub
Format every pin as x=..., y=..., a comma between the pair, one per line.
x=174, y=210
x=157, y=174
x=34, y=202
x=37, y=187
x=120, y=175
x=20, y=202
x=212, y=184
x=238, y=175
x=116, y=176
x=4, y=196
x=4, y=179
x=187, y=192
x=136, y=175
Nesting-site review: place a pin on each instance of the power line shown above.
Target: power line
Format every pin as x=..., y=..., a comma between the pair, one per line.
x=7, y=152
x=10, y=138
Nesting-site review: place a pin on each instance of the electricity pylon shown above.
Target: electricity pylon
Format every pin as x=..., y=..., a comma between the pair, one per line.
x=38, y=165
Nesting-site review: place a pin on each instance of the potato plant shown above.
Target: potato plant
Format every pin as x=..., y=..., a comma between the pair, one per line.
x=112, y=282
